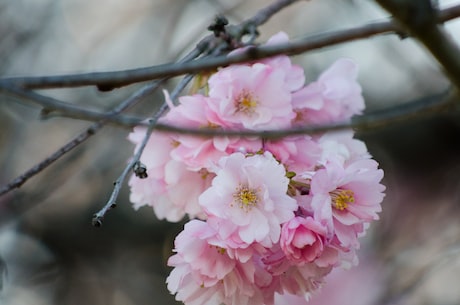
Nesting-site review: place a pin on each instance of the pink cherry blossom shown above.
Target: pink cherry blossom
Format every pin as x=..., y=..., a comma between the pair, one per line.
x=204, y=274
x=293, y=75
x=346, y=197
x=303, y=280
x=297, y=154
x=247, y=201
x=170, y=188
x=196, y=152
x=252, y=97
x=341, y=146
x=200, y=153
x=335, y=97
x=277, y=215
x=303, y=239
x=155, y=158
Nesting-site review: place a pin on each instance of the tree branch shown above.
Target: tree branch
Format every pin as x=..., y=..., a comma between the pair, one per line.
x=55, y=107
x=90, y=131
x=146, y=90
x=109, y=80
x=421, y=20
x=111, y=203
x=438, y=103
x=126, y=77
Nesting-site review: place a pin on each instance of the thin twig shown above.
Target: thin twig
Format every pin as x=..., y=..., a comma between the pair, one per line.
x=56, y=108
x=90, y=131
x=111, y=203
x=122, y=78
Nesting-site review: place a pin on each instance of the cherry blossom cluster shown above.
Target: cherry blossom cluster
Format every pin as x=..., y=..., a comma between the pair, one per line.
x=269, y=217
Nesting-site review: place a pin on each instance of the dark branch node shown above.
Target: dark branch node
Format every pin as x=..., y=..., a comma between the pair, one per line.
x=91, y=131
x=140, y=170
x=105, y=87
x=97, y=221
x=218, y=26
x=45, y=112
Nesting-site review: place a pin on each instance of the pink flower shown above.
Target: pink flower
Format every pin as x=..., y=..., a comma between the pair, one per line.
x=253, y=97
x=196, y=152
x=341, y=146
x=204, y=274
x=247, y=201
x=155, y=157
x=303, y=240
x=170, y=188
x=293, y=75
x=297, y=154
x=335, y=97
x=278, y=215
x=199, y=153
x=303, y=280
x=346, y=197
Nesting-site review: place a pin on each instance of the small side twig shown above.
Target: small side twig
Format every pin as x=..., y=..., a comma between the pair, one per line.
x=54, y=107
x=82, y=137
x=111, y=203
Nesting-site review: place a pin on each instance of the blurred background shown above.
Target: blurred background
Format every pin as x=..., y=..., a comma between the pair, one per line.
x=51, y=254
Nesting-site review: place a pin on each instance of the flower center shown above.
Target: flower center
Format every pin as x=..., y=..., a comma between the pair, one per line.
x=219, y=250
x=245, y=103
x=175, y=143
x=245, y=197
x=204, y=173
x=342, y=198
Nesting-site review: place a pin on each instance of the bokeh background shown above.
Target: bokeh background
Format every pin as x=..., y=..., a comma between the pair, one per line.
x=50, y=253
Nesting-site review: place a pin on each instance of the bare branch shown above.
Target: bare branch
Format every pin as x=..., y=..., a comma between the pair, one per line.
x=146, y=90
x=428, y=105
x=126, y=77
x=437, y=103
x=110, y=80
x=54, y=107
x=111, y=203
x=93, y=129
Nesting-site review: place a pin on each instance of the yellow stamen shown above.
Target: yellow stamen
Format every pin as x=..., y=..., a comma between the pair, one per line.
x=245, y=102
x=220, y=250
x=299, y=116
x=204, y=173
x=246, y=197
x=342, y=198
x=175, y=143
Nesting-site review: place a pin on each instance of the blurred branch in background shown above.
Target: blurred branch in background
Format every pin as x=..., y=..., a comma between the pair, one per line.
x=421, y=20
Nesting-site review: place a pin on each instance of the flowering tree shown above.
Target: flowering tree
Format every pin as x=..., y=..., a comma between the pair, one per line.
x=264, y=164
